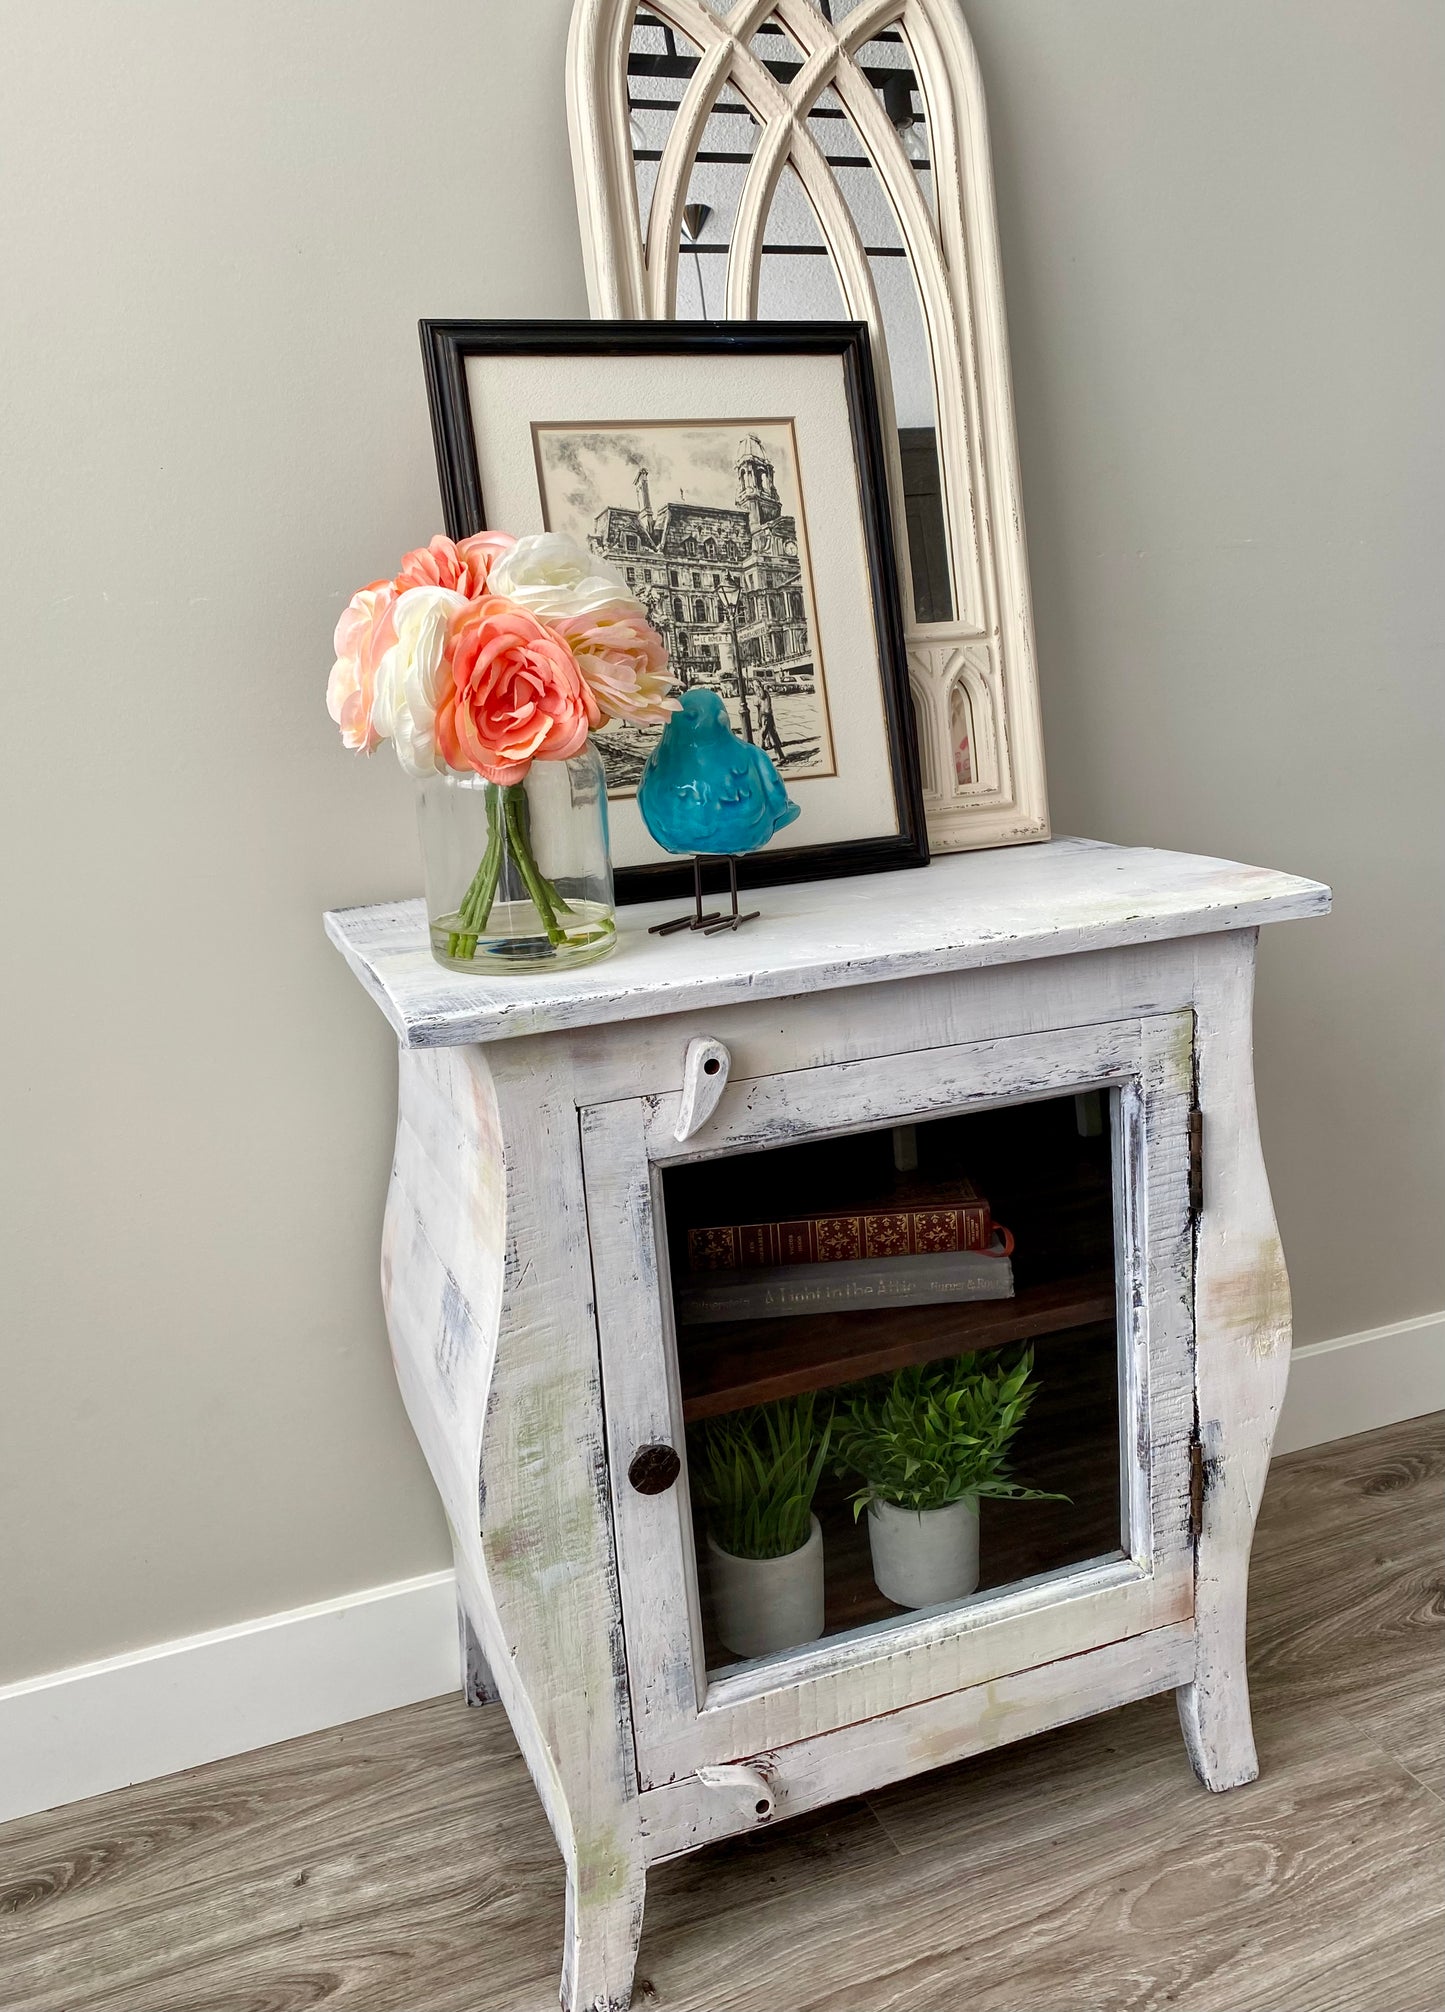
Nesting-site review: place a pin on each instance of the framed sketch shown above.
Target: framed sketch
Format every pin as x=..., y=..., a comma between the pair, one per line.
x=737, y=161
x=734, y=476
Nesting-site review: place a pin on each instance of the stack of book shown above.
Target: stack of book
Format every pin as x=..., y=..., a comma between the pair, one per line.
x=908, y=1249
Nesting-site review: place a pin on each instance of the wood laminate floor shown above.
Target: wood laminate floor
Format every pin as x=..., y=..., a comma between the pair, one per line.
x=403, y=1864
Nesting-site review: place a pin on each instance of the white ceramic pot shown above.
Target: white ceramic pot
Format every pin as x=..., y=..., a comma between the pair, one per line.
x=922, y=1557
x=765, y=1604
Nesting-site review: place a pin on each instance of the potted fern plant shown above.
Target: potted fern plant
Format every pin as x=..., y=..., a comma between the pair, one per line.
x=928, y=1442
x=755, y=1473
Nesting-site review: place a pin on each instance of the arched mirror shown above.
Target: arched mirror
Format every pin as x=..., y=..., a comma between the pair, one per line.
x=825, y=159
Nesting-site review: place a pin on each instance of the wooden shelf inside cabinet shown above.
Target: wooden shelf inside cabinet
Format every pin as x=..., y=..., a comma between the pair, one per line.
x=733, y=1363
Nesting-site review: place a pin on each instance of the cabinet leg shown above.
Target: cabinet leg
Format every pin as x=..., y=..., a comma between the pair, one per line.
x=1241, y=1345
x=605, y=1894
x=478, y=1687
x=1214, y=1710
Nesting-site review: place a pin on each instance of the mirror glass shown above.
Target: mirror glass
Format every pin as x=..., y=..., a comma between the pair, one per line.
x=714, y=190
x=960, y=733
x=797, y=280
x=660, y=61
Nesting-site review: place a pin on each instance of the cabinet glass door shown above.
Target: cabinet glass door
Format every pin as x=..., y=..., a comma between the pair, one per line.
x=898, y=1377
x=906, y=1336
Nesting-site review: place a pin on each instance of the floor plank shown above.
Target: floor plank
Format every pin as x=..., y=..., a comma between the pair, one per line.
x=403, y=1864
x=1347, y=1590
x=1404, y=1975
x=1142, y=1895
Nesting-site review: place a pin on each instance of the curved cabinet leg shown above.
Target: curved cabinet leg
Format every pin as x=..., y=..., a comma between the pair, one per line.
x=1242, y=1339
x=1218, y=1731
x=604, y=1926
x=486, y=1273
x=1214, y=1709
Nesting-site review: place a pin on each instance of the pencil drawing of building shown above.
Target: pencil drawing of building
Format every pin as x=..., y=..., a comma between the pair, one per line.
x=723, y=587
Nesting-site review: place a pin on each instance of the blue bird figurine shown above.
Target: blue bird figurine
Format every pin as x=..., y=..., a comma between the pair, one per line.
x=704, y=790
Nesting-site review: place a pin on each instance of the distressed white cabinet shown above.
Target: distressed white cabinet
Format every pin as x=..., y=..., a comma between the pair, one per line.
x=543, y=1126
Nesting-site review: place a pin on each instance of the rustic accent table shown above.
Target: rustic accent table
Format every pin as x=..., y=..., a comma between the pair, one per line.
x=525, y=1270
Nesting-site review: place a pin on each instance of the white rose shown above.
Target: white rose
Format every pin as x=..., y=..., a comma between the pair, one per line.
x=551, y=576
x=413, y=674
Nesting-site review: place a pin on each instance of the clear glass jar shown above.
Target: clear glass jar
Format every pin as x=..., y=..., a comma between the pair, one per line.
x=518, y=877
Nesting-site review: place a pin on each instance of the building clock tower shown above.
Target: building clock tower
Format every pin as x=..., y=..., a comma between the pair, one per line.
x=757, y=491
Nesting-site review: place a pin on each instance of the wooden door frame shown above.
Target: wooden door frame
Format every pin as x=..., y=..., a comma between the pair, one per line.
x=683, y=1720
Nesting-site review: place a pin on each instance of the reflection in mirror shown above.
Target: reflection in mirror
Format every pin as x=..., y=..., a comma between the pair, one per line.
x=960, y=732
x=888, y=64
x=714, y=190
x=797, y=281
x=923, y=515
x=910, y=358
x=773, y=45
x=660, y=61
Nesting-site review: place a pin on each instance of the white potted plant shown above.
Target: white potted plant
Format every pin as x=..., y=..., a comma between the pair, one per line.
x=928, y=1442
x=755, y=1473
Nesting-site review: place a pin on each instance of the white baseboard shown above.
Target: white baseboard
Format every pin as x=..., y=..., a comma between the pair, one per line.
x=83, y=1731
x=1361, y=1381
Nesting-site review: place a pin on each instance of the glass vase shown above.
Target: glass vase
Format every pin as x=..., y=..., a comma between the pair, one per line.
x=518, y=875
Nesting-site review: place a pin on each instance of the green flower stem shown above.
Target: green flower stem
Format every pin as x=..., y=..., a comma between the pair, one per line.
x=508, y=830
x=476, y=903
x=524, y=820
x=537, y=886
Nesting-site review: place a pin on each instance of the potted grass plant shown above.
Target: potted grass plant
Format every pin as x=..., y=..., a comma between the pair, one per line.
x=755, y=1472
x=928, y=1442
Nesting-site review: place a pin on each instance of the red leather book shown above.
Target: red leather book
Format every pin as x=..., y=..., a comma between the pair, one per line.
x=901, y=1225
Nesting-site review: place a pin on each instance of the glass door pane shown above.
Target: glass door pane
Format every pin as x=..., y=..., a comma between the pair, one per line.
x=891, y=1331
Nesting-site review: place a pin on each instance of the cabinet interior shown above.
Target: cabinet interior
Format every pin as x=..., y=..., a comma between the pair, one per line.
x=1047, y=1170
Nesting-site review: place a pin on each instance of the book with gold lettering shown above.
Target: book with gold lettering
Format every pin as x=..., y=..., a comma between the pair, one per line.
x=917, y=1222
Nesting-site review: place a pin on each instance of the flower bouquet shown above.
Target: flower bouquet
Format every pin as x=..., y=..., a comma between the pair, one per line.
x=488, y=663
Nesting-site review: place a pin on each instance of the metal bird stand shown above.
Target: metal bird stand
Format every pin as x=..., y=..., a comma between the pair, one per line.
x=711, y=924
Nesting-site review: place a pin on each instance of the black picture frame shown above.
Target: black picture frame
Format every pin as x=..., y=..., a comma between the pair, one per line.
x=446, y=348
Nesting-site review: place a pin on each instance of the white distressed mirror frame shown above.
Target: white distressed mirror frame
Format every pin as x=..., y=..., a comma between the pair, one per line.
x=986, y=649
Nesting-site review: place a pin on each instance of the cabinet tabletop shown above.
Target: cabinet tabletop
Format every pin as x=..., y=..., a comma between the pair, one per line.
x=960, y=912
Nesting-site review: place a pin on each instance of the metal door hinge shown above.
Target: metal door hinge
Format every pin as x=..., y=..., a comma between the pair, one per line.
x=1198, y=1481
x=1196, y=1163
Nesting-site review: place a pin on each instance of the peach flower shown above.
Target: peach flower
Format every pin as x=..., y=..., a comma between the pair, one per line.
x=363, y=635
x=483, y=551
x=623, y=661
x=516, y=694
x=462, y=568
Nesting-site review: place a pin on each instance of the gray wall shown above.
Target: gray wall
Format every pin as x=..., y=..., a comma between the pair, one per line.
x=1224, y=262
x=1225, y=270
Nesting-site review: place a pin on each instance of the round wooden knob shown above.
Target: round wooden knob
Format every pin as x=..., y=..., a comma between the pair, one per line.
x=654, y=1469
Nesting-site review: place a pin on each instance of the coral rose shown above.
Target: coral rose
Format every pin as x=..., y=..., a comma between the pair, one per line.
x=516, y=694
x=624, y=662
x=363, y=636
x=462, y=568
x=482, y=552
